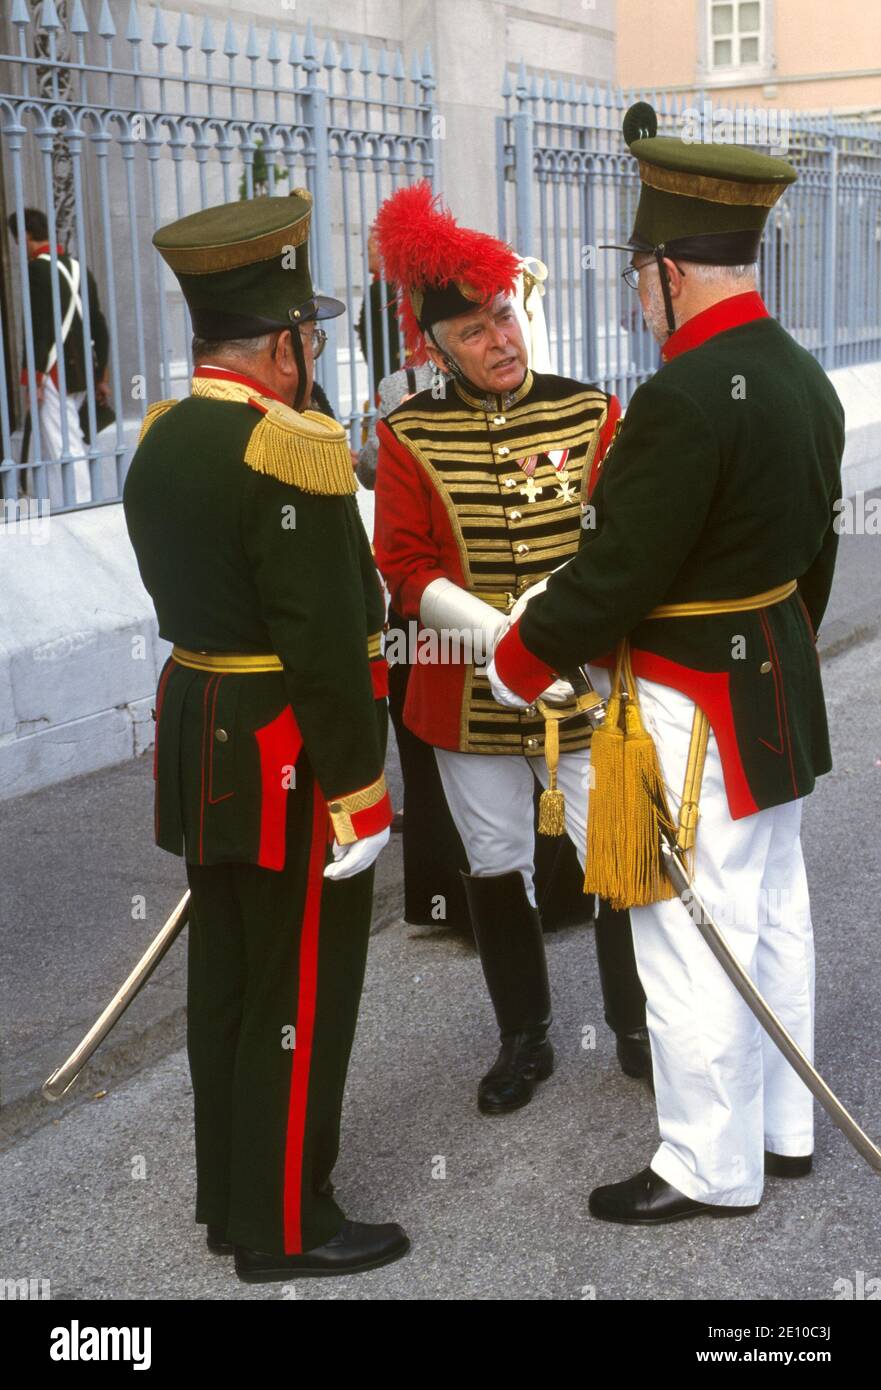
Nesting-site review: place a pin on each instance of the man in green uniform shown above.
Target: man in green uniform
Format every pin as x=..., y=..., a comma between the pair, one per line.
x=702, y=585
x=270, y=735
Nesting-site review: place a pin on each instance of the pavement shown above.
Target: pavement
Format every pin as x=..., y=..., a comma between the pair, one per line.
x=496, y=1208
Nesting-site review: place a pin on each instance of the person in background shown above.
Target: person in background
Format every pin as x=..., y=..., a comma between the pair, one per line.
x=383, y=311
x=55, y=413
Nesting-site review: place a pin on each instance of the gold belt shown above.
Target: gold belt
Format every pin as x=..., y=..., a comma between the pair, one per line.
x=246, y=663
x=702, y=607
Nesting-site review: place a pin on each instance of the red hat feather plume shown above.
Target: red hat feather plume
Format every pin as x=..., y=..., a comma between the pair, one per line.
x=422, y=244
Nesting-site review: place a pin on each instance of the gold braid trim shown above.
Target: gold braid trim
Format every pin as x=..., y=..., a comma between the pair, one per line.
x=735, y=192
x=308, y=450
x=345, y=807
x=153, y=412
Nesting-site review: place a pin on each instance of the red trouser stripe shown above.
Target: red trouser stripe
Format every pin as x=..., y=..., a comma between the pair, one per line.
x=308, y=990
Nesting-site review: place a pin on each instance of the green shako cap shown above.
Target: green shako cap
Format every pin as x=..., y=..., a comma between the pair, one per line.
x=702, y=202
x=244, y=266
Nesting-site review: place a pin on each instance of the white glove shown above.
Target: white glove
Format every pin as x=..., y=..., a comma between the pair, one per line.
x=501, y=694
x=359, y=855
x=556, y=694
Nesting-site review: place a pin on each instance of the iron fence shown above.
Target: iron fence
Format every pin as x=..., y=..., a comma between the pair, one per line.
x=112, y=133
x=567, y=184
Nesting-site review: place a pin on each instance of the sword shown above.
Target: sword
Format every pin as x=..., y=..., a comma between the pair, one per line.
x=754, y=1000
x=61, y=1080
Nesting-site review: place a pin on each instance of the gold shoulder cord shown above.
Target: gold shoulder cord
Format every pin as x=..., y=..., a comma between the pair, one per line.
x=153, y=413
x=308, y=450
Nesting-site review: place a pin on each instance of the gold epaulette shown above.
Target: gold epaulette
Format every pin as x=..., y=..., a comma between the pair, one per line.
x=153, y=412
x=309, y=450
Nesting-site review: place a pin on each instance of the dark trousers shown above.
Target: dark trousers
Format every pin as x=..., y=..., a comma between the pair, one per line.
x=623, y=994
x=275, y=971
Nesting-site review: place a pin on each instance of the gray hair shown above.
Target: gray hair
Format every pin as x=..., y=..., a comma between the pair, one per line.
x=230, y=347
x=712, y=274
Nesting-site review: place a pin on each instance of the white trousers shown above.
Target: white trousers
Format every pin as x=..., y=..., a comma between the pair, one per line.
x=490, y=800
x=52, y=444
x=724, y=1092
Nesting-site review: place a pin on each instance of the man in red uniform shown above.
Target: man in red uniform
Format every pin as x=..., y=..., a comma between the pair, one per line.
x=481, y=489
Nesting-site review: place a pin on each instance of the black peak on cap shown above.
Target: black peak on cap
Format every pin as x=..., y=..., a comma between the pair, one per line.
x=640, y=122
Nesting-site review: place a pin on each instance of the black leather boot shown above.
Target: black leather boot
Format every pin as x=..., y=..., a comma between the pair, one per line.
x=508, y=933
x=623, y=994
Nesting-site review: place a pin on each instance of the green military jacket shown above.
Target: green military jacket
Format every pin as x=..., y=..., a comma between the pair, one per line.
x=248, y=539
x=720, y=485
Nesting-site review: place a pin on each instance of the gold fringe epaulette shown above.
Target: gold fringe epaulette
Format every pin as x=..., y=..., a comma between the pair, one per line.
x=309, y=450
x=153, y=412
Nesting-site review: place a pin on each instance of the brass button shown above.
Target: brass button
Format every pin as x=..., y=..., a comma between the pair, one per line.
x=516, y=516
x=532, y=743
x=531, y=711
x=499, y=420
x=510, y=482
x=334, y=807
x=503, y=452
x=221, y=735
x=766, y=667
x=522, y=549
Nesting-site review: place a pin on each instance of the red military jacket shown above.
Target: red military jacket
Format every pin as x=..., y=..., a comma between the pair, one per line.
x=487, y=491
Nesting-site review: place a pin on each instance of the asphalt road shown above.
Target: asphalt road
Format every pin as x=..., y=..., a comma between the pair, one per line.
x=509, y=1220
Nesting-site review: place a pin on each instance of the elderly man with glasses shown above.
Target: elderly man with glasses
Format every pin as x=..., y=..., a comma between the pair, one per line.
x=270, y=736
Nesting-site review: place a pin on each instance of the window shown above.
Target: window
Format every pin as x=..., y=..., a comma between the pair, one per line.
x=735, y=33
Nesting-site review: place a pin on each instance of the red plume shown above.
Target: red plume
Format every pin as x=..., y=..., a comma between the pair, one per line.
x=422, y=244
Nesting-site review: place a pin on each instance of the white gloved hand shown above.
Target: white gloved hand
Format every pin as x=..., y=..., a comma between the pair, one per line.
x=359, y=855
x=501, y=694
x=558, y=693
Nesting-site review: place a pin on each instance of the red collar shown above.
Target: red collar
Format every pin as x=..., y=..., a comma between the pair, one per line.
x=224, y=374
x=728, y=313
x=43, y=250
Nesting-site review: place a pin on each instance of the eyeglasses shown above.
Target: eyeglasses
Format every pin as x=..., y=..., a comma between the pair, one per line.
x=316, y=339
x=630, y=276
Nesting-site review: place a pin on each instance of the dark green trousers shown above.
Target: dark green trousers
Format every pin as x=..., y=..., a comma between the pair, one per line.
x=275, y=970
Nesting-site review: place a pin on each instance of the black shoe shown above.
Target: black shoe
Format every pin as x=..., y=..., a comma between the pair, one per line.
x=357, y=1246
x=508, y=933
x=509, y=1084
x=647, y=1200
x=635, y=1055
x=215, y=1239
x=788, y=1165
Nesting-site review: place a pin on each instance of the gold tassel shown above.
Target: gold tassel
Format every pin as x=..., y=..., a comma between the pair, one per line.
x=552, y=803
x=605, y=806
x=643, y=879
x=311, y=458
x=627, y=799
